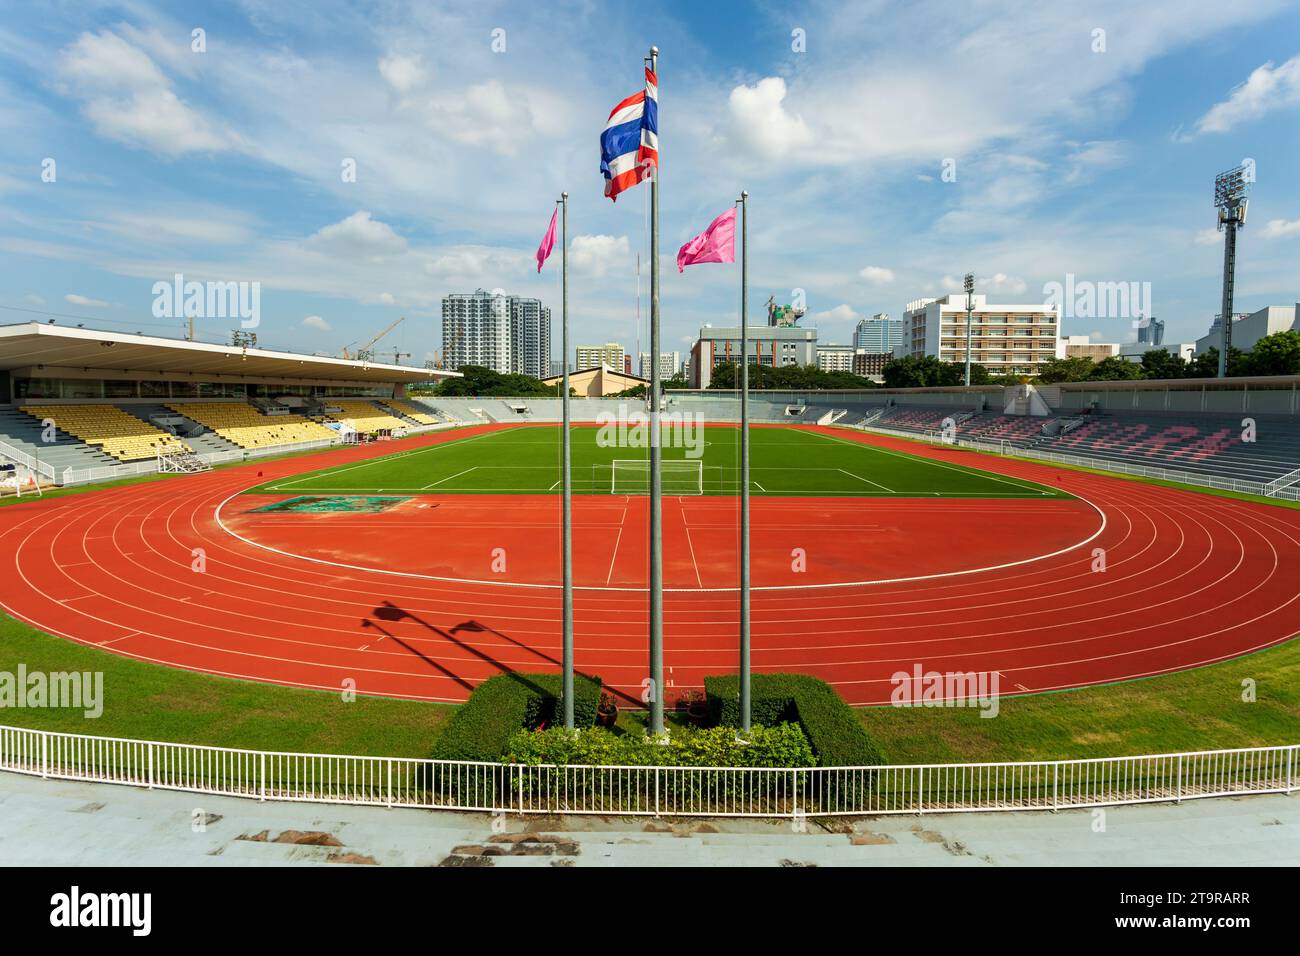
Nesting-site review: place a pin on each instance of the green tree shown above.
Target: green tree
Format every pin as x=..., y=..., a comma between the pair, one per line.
x=1115, y=369
x=1158, y=363
x=1276, y=354
x=1056, y=370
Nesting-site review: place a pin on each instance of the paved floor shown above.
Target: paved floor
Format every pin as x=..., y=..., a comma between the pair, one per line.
x=69, y=824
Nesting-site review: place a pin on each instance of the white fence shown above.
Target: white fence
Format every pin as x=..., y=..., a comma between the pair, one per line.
x=1003, y=447
x=650, y=791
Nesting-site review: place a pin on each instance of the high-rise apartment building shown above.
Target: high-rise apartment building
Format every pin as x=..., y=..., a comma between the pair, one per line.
x=1005, y=339
x=611, y=354
x=670, y=363
x=506, y=333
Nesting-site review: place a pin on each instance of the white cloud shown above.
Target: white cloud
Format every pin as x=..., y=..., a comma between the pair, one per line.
x=33, y=299
x=359, y=237
x=316, y=322
x=76, y=299
x=1281, y=228
x=1090, y=158
x=1207, y=237
x=877, y=275
x=387, y=298
x=760, y=121
x=129, y=99
x=402, y=73
x=597, y=255
x=483, y=115
x=997, y=284
x=1265, y=90
x=841, y=313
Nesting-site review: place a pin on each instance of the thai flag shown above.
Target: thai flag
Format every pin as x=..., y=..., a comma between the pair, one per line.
x=629, y=146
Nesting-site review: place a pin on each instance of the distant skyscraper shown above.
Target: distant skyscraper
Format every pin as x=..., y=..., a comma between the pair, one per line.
x=591, y=356
x=1152, y=332
x=670, y=364
x=506, y=333
x=879, y=334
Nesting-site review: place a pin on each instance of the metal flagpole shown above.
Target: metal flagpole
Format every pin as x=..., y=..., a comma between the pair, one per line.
x=567, y=478
x=656, y=485
x=744, y=463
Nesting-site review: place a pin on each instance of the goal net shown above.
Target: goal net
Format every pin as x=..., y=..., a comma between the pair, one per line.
x=632, y=477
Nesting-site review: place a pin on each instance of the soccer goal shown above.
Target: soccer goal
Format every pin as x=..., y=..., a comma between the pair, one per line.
x=680, y=477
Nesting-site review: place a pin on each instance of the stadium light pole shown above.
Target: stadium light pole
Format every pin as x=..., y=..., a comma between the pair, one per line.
x=565, y=464
x=969, y=285
x=744, y=464
x=1230, y=189
x=656, y=687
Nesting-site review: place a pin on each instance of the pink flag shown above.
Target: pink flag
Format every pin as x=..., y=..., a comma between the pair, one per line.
x=548, y=242
x=715, y=244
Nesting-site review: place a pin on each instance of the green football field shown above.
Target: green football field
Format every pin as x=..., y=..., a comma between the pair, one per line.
x=783, y=461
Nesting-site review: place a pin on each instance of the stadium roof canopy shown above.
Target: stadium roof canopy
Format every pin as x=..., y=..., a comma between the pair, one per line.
x=40, y=349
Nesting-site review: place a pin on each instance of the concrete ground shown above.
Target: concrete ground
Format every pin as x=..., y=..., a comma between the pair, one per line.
x=69, y=824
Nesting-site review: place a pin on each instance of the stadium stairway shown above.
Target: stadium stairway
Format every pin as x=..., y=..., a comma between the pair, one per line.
x=24, y=432
x=202, y=439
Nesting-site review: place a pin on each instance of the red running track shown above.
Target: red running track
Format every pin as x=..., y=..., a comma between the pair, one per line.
x=1189, y=579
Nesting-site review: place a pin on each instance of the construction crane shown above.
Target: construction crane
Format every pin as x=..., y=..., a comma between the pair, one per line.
x=366, y=352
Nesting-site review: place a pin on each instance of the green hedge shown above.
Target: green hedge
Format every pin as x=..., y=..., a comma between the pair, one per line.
x=781, y=745
x=837, y=736
x=503, y=705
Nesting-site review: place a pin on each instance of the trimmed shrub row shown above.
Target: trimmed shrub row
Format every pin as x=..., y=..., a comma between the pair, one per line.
x=834, y=731
x=503, y=705
x=780, y=745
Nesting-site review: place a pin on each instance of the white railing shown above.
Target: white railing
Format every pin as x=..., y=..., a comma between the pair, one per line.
x=18, y=456
x=1240, y=485
x=644, y=791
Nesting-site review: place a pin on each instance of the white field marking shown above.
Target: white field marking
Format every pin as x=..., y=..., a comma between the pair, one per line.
x=690, y=546
x=216, y=515
x=282, y=485
x=116, y=639
x=758, y=486
x=867, y=480
x=617, y=538
x=931, y=461
x=448, y=478
x=603, y=491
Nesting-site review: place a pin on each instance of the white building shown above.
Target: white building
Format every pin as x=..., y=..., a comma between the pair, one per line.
x=835, y=358
x=1133, y=351
x=773, y=346
x=1005, y=339
x=1081, y=346
x=879, y=334
x=670, y=363
x=1248, y=330
x=593, y=356
x=506, y=333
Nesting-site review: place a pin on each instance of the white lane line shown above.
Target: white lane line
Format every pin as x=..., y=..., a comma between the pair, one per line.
x=448, y=478
x=617, y=538
x=930, y=461
x=689, y=544
x=331, y=472
x=867, y=480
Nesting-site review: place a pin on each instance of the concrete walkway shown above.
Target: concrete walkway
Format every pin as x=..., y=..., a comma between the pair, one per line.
x=69, y=824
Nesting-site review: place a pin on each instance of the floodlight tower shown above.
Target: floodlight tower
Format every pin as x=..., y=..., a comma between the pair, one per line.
x=969, y=285
x=1230, y=191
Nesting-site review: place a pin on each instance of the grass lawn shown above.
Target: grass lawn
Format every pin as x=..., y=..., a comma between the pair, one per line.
x=151, y=702
x=783, y=461
x=1195, y=710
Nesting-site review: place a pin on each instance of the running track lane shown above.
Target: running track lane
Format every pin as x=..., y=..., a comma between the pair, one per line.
x=1190, y=579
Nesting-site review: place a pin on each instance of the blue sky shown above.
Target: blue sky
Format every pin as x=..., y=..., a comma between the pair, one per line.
x=1076, y=152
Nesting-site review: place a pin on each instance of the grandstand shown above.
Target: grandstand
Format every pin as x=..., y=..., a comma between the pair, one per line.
x=363, y=416
x=80, y=405
x=245, y=426
x=114, y=432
